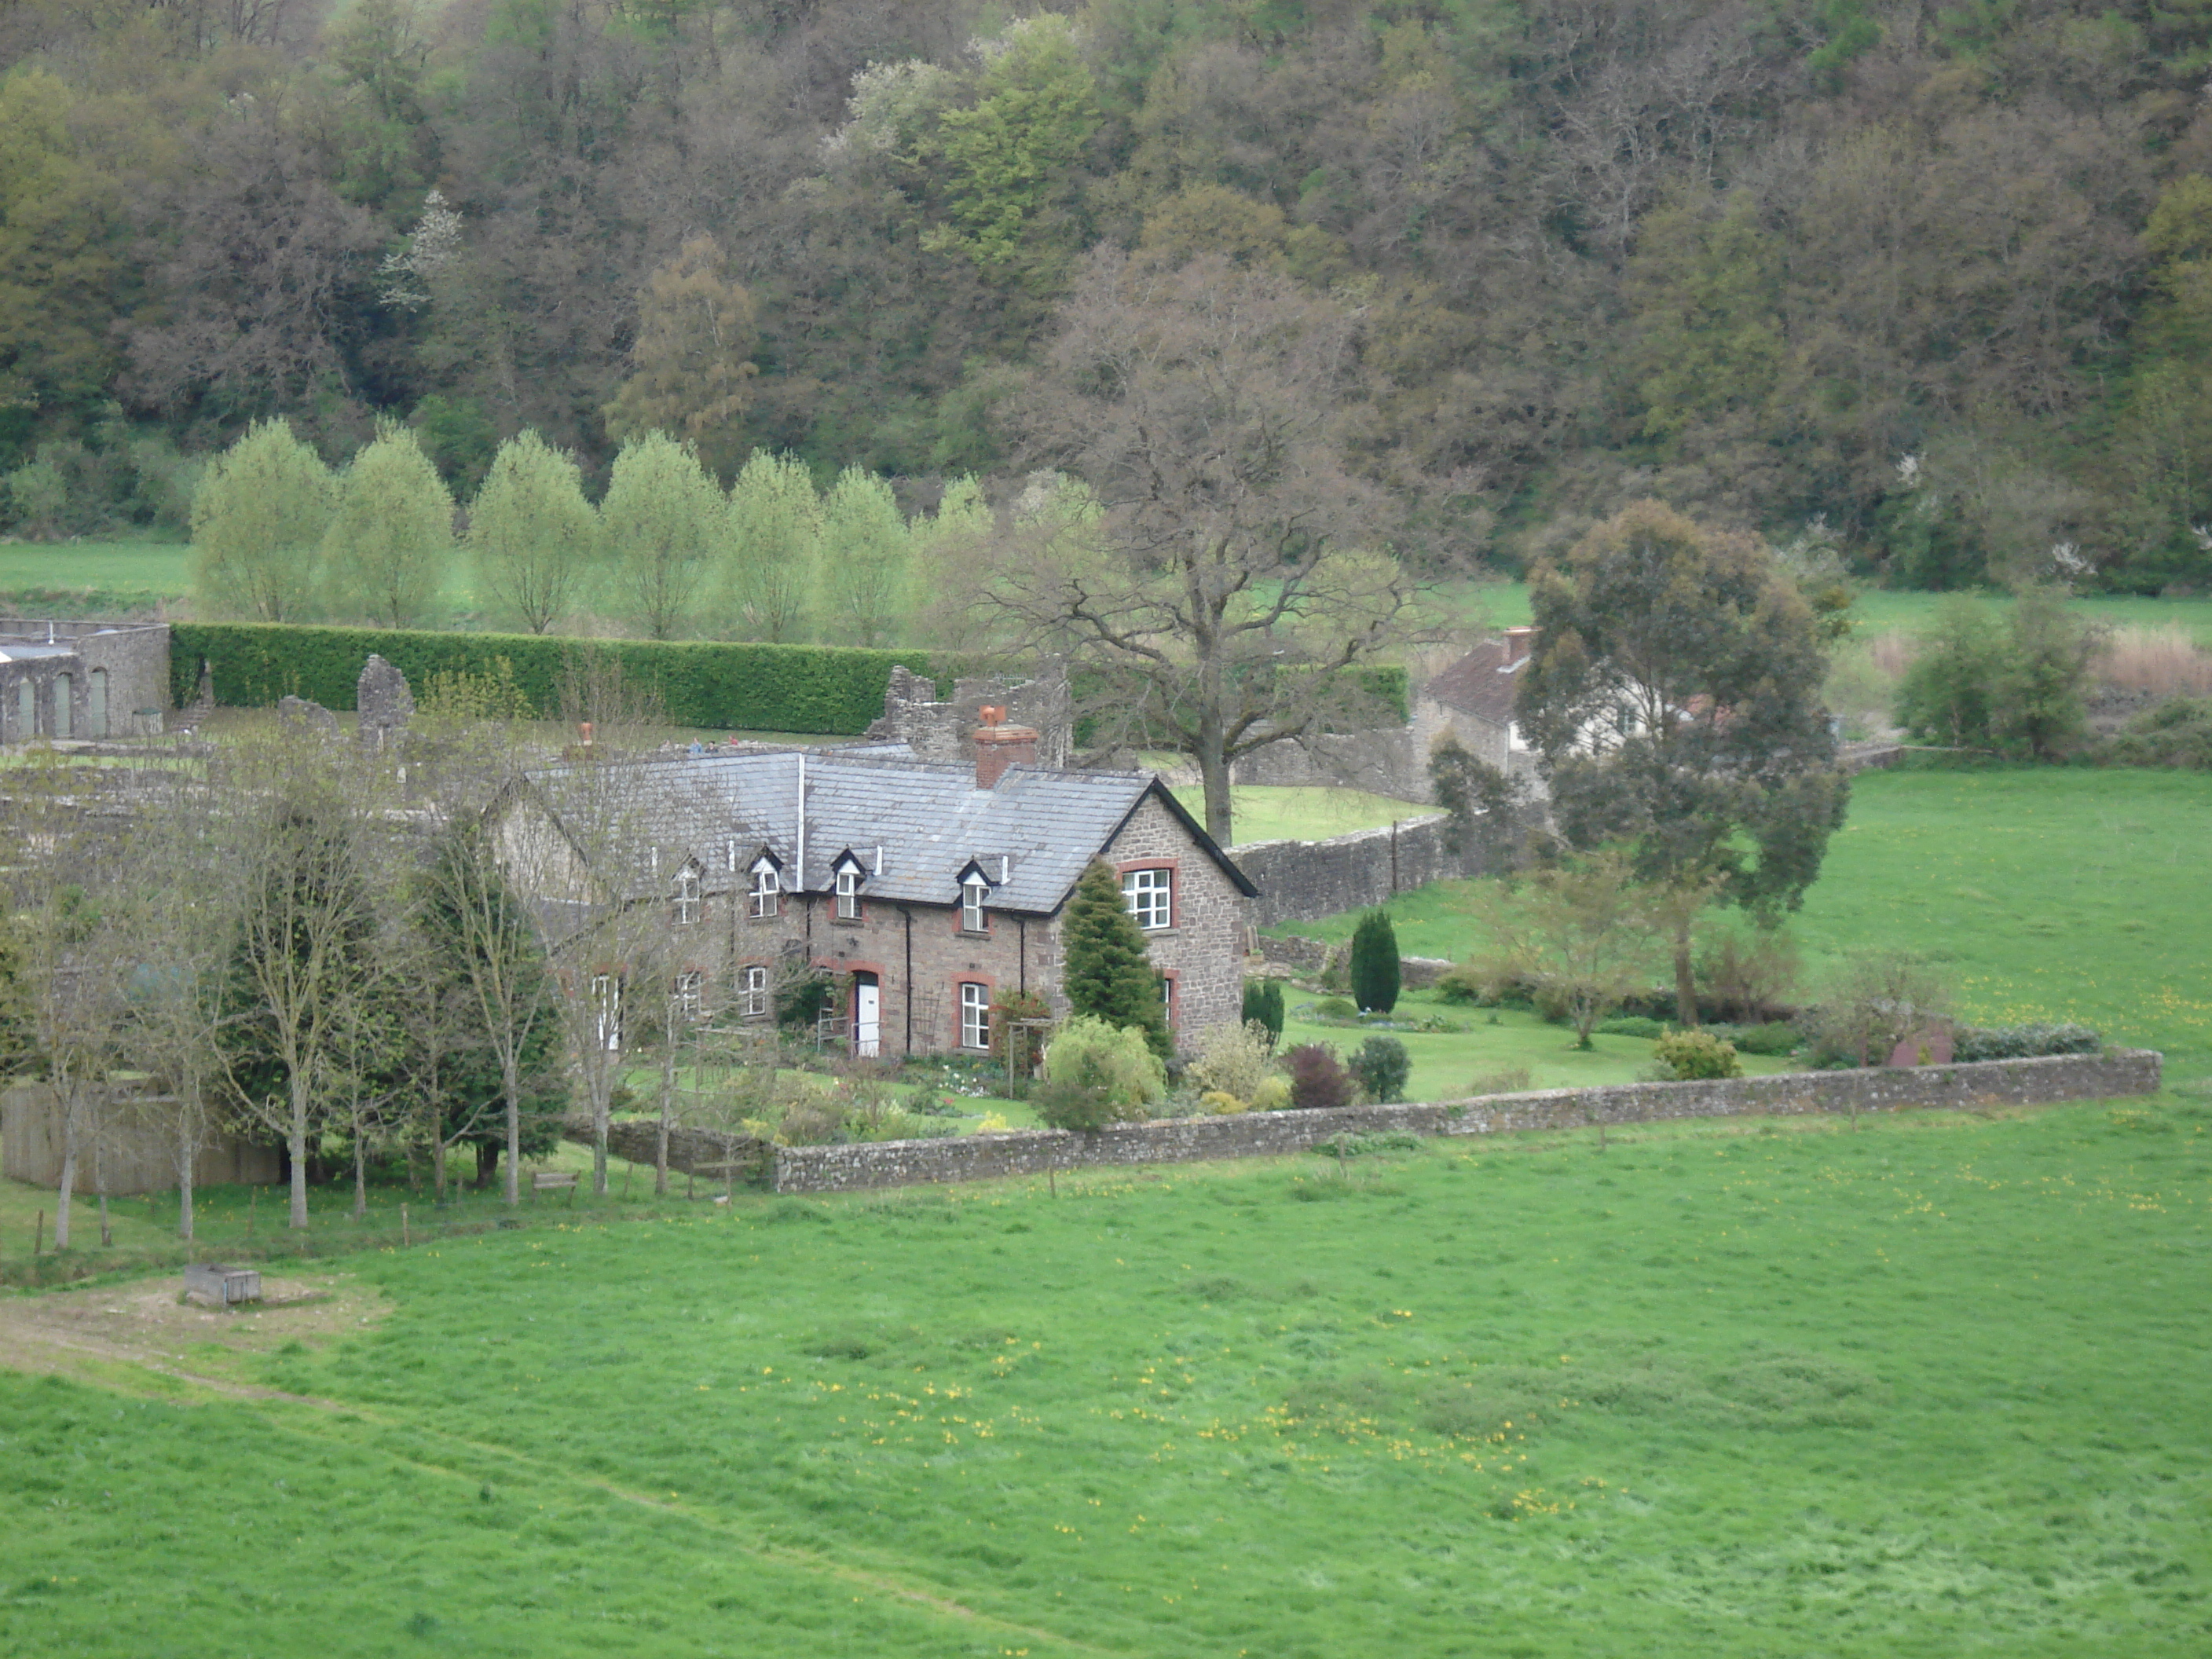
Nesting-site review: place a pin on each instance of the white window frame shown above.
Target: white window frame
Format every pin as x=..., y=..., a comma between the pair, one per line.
x=768, y=891
x=753, y=998
x=849, y=895
x=690, y=900
x=974, y=1016
x=689, y=988
x=1150, y=893
x=974, y=892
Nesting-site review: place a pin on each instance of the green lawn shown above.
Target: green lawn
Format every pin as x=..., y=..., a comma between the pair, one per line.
x=1267, y=812
x=135, y=573
x=1494, y=1041
x=2059, y=894
x=1933, y=1388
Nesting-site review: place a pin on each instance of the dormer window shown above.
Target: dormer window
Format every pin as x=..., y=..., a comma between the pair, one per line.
x=973, y=889
x=689, y=904
x=766, y=886
x=848, y=873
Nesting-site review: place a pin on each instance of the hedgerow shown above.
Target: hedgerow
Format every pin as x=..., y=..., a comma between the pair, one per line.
x=741, y=687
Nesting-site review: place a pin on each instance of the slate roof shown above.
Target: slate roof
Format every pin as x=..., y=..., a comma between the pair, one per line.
x=920, y=822
x=1479, y=684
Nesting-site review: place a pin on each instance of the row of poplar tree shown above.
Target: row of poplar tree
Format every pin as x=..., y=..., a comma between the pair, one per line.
x=279, y=536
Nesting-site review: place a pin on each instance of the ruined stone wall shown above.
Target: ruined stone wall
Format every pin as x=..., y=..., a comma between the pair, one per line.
x=946, y=731
x=2115, y=1074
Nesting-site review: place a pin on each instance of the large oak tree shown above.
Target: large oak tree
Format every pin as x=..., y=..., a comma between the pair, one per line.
x=1229, y=571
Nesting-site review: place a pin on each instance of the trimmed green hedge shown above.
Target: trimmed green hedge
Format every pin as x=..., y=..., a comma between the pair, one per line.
x=832, y=690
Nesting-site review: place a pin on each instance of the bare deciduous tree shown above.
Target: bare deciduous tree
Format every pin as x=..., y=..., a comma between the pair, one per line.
x=1228, y=572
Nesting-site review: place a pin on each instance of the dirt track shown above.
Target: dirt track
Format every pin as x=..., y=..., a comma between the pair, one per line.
x=145, y=1324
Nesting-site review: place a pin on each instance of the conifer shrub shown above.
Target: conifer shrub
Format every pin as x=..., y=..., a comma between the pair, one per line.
x=1374, y=967
x=1108, y=976
x=1263, y=1002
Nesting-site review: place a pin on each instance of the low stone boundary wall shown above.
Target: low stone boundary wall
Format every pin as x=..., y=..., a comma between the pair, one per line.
x=2113, y=1074
x=701, y=1151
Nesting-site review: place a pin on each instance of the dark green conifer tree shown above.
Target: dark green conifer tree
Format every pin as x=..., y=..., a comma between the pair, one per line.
x=1263, y=1001
x=1374, y=967
x=1108, y=974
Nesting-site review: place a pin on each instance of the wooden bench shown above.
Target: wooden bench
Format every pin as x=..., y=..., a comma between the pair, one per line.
x=553, y=1180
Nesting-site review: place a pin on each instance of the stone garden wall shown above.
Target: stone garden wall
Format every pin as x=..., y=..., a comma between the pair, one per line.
x=1299, y=880
x=2113, y=1074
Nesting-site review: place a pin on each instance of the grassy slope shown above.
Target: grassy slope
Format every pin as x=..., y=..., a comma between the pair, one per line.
x=1267, y=814
x=1248, y=1409
x=2050, y=894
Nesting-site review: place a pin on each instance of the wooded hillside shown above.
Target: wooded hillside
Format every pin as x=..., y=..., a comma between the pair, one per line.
x=1941, y=277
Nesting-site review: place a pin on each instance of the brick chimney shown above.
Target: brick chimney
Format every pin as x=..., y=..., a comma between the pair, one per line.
x=1519, y=641
x=999, y=746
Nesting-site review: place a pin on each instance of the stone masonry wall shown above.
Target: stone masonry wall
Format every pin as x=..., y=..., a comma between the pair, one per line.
x=1301, y=880
x=1204, y=951
x=2114, y=1074
x=689, y=1150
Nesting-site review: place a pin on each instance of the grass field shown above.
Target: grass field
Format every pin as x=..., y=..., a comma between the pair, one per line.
x=1878, y=611
x=2048, y=893
x=1265, y=812
x=1933, y=1388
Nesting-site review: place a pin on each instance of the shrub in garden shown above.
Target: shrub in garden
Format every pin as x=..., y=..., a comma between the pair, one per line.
x=1317, y=1077
x=1689, y=1055
x=1633, y=1025
x=1114, y=1061
x=1273, y=1094
x=1374, y=966
x=2022, y=1041
x=1381, y=1065
x=1777, y=1036
x=1263, y=1001
x=1233, y=1062
x=1335, y=1008
x=1108, y=976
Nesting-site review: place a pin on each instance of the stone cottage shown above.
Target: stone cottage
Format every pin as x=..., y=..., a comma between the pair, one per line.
x=81, y=679
x=1472, y=701
x=922, y=888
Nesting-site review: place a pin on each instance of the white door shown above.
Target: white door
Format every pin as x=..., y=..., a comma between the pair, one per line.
x=867, y=1016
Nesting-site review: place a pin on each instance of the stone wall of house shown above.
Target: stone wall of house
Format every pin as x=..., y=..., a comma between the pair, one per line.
x=1301, y=880
x=922, y=946
x=1203, y=953
x=2115, y=1074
